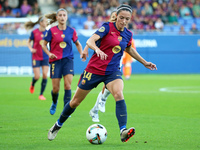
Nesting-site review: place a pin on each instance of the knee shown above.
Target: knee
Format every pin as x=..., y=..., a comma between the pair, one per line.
x=56, y=89
x=36, y=77
x=118, y=95
x=44, y=76
x=74, y=103
x=67, y=86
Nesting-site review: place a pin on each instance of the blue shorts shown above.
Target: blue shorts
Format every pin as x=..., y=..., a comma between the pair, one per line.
x=61, y=68
x=39, y=63
x=88, y=80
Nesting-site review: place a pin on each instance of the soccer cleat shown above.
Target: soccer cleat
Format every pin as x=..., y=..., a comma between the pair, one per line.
x=126, y=134
x=95, y=116
x=101, y=105
x=31, y=89
x=41, y=97
x=53, y=132
x=53, y=108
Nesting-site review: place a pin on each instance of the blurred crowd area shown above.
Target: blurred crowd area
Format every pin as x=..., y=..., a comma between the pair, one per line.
x=152, y=16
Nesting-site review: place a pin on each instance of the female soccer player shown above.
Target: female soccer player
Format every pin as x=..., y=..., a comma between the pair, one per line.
x=39, y=58
x=61, y=55
x=108, y=42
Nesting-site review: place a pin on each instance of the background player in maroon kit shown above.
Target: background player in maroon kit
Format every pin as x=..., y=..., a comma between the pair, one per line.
x=61, y=55
x=39, y=57
x=108, y=44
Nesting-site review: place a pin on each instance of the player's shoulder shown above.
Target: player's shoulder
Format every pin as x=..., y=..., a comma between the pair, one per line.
x=128, y=32
x=35, y=30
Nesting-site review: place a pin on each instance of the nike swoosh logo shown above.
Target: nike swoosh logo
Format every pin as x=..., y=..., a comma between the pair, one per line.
x=122, y=115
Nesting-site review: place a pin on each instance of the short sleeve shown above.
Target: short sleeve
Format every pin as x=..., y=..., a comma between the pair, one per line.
x=103, y=30
x=48, y=36
x=75, y=36
x=31, y=36
x=130, y=41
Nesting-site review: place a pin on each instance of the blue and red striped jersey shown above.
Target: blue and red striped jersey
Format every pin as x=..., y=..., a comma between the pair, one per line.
x=37, y=37
x=113, y=43
x=60, y=42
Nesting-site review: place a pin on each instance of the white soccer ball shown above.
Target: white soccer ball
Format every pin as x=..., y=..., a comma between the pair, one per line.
x=96, y=134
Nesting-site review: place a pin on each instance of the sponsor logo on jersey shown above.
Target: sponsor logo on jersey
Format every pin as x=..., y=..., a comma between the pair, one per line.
x=119, y=38
x=116, y=49
x=102, y=29
x=83, y=82
x=63, y=44
x=62, y=35
x=41, y=42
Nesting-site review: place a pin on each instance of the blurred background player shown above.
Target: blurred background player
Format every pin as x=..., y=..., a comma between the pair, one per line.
x=61, y=55
x=126, y=61
x=103, y=95
x=39, y=57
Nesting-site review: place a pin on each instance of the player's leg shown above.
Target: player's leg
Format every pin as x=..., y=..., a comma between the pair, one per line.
x=102, y=99
x=55, y=94
x=67, y=111
x=116, y=88
x=67, y=86
x=127, y=70
x=36, y=71
x=56, y=75
x=44, y=81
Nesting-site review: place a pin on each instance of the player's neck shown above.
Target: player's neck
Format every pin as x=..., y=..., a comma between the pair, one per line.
x=41, y=28
x=62, y=26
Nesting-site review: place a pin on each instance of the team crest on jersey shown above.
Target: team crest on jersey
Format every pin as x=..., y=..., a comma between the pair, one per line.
x=41, y=42
x=119, y=38
x=116, y=49
x=199, y=43
x=63, y=44
x=83, y=82
x=62, y=35
x=102, y=29
x=42, y=35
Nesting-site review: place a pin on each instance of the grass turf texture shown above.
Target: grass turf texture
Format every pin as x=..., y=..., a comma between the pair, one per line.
x=167, y=119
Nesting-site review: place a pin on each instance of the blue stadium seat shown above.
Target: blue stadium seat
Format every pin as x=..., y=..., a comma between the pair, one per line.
x=176, y=28
x=167, y=28
x=189, y=21
x=82, y=20
x=74, y=21
x=197, y=20
x=16, y=10
x=181, y=21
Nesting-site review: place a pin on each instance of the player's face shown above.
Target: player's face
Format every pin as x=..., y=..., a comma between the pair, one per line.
x=62, y=17
x=123, y=19
x=44, y=23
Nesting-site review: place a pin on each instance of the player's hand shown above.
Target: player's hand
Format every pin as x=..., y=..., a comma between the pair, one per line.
x=33, y=50
x=84, y=55
x=52, y=56
x=150, y=66
x=101, y=54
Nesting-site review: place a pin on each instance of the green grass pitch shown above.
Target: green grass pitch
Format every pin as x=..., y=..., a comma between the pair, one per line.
x=164, y=109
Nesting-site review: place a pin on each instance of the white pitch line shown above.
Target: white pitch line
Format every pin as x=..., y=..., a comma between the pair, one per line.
x=186, y=89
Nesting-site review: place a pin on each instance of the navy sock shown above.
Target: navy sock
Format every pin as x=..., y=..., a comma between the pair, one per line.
x=67, y=111
x=54, y=97
x=121, y=113
x=33, y=81
x=43, y=86
x=67, y=96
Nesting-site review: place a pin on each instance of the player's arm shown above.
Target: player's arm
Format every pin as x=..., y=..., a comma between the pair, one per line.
x=131, y=51
x=91, y=44
x=30, y=47
x=79, y=48
x=45, y=49
x=85, y=53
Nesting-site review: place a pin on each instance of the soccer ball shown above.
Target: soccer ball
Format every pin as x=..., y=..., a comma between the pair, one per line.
x=96, y=134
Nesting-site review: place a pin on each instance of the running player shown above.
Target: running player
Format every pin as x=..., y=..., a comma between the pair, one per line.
x=108, y=44
x=61, y=55
x=39, y=58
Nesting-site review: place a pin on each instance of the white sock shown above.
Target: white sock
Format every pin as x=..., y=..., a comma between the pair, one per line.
x=106, y=93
